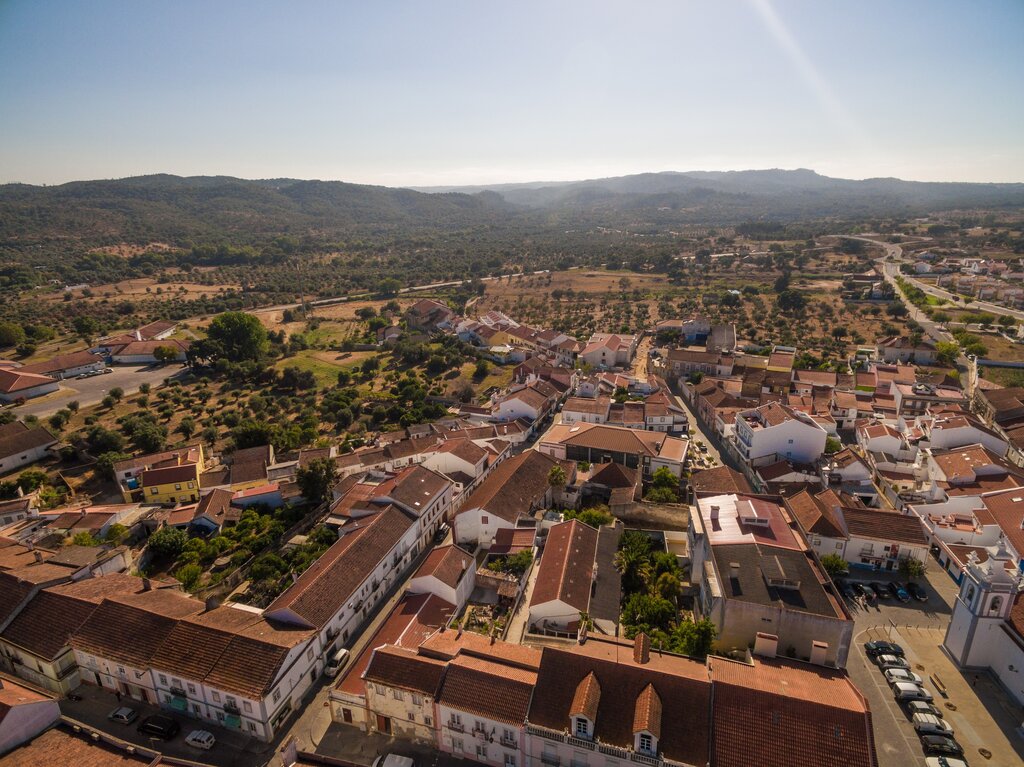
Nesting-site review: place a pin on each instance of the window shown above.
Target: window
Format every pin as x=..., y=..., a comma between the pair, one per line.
x=582, y=728
x=481, y=752
x=247, y=706
x=839, y=545
x=484, y=519
x=417, y=700
x=191, y=688
x=220, y=716
x=790, y=442
x=309, y=654
x=646, y=743
x=277, y=695
x=163, y=679
x=191, y=485
x=216, y=697
x=154, y=491
x=252, y=727
x=177, y=486
x=412, y=716
x=398, y=695
x=456, y=744
x=997, y=602
x=510, y=760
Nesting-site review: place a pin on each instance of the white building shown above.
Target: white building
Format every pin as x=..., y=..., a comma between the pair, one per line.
x=775, y=432
x=986, y=630
x=448, y=572
x=16, y=385
x=21, y=445
x=609, y=350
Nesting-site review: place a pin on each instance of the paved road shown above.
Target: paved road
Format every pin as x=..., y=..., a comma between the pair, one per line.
x=90, y=391
x=957, y=299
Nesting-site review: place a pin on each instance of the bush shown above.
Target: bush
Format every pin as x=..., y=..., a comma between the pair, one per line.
x=168, y=542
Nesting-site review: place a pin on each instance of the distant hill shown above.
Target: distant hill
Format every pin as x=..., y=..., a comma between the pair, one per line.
x=218, y=208
x=737, y=195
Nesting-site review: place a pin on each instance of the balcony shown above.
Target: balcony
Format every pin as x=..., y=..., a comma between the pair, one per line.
x=508, y=742
x=178, y=692
x=550, y=761
x=231, y=708
x=580, y=743
x=456, y=726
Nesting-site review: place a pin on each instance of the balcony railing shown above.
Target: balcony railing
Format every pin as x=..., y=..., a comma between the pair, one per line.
x=508, y=742
x=551, y=761
x=178, y=692
x=231, y=708
x=456, y=726
x=580, y=743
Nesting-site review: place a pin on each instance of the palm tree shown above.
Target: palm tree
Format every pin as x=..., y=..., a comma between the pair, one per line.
x=557, y=478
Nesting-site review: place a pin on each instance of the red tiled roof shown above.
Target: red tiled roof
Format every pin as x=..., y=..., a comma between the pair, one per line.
x=587, y=697
x=446, y=563
x=567, y=566
x=490, y=689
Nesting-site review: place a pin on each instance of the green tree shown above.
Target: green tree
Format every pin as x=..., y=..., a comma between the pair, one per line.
x=946, y=352
x=32, y=479
x=832, y=445
x=86, y=327
x=168, y=542
x=165, y=354
x=557, y=478
x=911, y=568
x=646, y=611
x=834, y=565
x=317, y=479
x=117, y=534
x=234, y=336
x=661, y=495
x=105, y=463
x=792, y=301
x=84, y=539
x=481, y=370
x=669, y=587
x=11, y=334
x=187, y=427
x=189, y=576
x=117, y=393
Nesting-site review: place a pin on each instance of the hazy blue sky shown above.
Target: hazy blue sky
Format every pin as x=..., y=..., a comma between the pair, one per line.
x=410, y=93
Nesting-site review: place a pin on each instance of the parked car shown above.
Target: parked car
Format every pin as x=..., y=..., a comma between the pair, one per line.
x=124, y=715
x=944, y=761
x=882, y=648
x=337, y=662
x=880, y=590
x=899, y=592
x=393, y=760
x=902, y=675
x=847, y=588
x=863, y=592
x=929, y=724
x=162, y=727
x=108, y=370
x=940, y=744
x=909, y=691
x=441, y=533
x=920, y=707
x=201, y=739
x=891, y=661
x=917, y=592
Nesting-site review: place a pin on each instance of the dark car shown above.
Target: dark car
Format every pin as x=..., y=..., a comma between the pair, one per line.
x=883, y=648
x=861, y=591
x=899, y=592
x=917, y=592
x=847, y=588
x=880, y=590
x=162, y=727
x=940, y=744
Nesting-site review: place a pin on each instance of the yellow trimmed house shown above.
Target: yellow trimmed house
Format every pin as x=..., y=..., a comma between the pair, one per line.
x=171, y=484
x=163, y=478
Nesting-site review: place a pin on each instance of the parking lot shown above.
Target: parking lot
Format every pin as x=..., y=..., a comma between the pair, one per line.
x=232, y=749
x=89, y=391
x=981, y=714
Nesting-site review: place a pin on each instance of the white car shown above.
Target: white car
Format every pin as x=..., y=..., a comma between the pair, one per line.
x=929, y=724
x=944, y=761
x=393, y=760
x=201, y=739
x=910, y=691
x=891, y=661
x=902, y=675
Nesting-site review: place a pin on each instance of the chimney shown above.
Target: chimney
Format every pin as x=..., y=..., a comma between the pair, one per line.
x=147, y=585
x=819, y=651
x=714, y=512
x=212, y=603
x=641, y=648
x=38, y=555
x=766, y=645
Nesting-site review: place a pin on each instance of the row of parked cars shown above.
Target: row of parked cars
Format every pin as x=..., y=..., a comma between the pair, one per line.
x=934, y=731
x=873, y=590
x=162, y=727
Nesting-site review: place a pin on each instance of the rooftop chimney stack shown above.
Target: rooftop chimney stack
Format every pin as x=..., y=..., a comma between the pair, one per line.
x=766, y=645
x=642, y=648
x=147, y=585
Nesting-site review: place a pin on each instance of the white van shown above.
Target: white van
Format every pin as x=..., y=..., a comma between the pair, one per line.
x=393, y=760
x=910, y=691
x=337, y=662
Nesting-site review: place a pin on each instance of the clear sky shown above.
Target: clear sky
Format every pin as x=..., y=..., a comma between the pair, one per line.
x=438, y=92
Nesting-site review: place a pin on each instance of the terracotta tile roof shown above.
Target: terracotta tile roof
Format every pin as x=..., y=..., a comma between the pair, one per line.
x=410, y=623
x=148, y=347
x=60, y=746
x=587, y=697
x=815, y=513
x=13, y=381
x=153, y=329
x=613, y=475
x=680, y=683
x=587, y=405
x=446, y=563
x=62, y=362
x=329, y=583
x=612, y=438
x=510, y=540
x=567, y=566
x=1007, y=509
x=783, y=714
x=885, y=526
x=415, y=487
x=404, y=668
x=189, y=472
x=721, y=479
x=214, y=505
x=16, y=437
x=13, y=593
x=468, y=451
x=129, y=629
x=647, y=717
x=490, y=689
x=515, y=487
x=46, y=623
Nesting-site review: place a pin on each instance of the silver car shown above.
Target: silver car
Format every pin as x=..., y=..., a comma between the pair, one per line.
x=123, y=715
x=902, y=675
x=891, y=661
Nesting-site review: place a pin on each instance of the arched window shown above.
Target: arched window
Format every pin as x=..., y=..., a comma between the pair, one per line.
x=970, y=594
x=997, y=602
